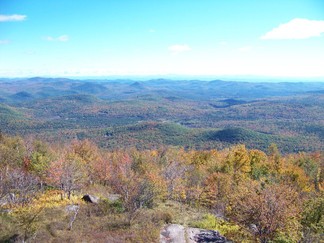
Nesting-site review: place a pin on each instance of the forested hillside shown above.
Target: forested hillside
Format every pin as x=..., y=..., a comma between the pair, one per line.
x=107, y=160
x=148, y=114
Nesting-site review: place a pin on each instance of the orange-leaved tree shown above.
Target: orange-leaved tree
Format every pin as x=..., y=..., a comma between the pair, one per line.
x=270, y=211
x=67, y=173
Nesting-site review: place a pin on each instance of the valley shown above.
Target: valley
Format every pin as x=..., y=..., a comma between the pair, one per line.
x=149, y=114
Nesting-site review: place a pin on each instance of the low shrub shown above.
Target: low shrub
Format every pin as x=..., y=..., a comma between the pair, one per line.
x=111, y=207
x=225, y=228
x=162, y=216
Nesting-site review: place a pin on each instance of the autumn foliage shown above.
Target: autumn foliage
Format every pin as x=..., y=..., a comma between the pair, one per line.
x=271, y=196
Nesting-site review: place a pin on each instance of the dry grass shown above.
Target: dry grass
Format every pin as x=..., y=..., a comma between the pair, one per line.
x=99, y=222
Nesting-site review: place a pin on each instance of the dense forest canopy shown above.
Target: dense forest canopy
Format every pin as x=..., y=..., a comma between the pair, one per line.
x=189, y=113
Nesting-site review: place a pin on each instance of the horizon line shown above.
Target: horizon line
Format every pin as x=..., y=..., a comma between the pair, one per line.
x=252, y=78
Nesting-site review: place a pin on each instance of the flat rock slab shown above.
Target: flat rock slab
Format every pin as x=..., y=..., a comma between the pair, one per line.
x=175, y=233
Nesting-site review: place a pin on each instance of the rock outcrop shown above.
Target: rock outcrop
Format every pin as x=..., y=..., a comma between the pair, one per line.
x=90, y=199
x=180, y=234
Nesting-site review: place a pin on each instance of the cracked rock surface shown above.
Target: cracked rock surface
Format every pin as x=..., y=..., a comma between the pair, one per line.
x=175, y=233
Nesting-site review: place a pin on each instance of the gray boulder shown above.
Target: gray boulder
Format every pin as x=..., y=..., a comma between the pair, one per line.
x=90, y=199
x=201, y=235
x=180, y=234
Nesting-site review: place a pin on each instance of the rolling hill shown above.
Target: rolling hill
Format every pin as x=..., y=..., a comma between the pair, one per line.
x=189, y=113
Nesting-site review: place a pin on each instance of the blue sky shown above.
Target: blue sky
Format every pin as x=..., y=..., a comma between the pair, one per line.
x=277, y=38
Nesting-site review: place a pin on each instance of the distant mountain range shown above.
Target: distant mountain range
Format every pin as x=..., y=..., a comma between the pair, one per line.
x=38, y=87
x=157, y=112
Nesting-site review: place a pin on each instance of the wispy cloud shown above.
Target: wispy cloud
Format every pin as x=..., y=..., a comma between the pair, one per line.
x=61, y=38
x=13, y=17
x=4, y=42
x=296, y=29
x=179, y=48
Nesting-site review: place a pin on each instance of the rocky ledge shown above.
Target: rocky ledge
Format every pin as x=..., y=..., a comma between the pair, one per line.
x=178, y=233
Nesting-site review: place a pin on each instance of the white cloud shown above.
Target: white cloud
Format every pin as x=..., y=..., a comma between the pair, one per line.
x=4, y=42
x=296, y=29
x=14, y=17
x=49, y=38
x=179, y=48
x=61, y=38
